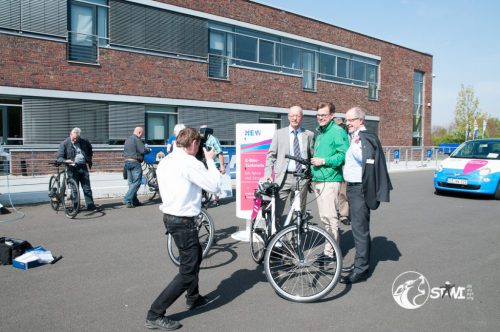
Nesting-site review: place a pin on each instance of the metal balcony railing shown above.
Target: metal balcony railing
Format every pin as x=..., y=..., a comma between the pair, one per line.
x=83, y=48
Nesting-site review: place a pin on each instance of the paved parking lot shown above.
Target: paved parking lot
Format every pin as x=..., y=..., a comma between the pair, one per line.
x=115, y=263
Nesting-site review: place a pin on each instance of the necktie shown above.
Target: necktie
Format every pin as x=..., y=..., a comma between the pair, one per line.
x=296, y=148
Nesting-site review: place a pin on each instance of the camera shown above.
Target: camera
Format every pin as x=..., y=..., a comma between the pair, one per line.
x=205, y=133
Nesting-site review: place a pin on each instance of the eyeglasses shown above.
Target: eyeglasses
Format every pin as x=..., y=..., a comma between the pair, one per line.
x=351, y=120
x=322, y=115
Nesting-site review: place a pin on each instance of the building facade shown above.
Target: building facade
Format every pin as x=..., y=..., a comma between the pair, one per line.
x=108, y=66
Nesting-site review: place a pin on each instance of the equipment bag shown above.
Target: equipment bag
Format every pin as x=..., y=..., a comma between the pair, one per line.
x=11, y=248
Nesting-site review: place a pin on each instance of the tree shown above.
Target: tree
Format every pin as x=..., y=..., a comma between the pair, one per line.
x=467, y=112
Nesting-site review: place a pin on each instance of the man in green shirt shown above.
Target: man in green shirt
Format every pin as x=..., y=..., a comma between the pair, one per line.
x=330, y=146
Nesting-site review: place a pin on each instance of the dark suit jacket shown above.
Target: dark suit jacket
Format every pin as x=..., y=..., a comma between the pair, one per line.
x=376, y=181
x=66, y=151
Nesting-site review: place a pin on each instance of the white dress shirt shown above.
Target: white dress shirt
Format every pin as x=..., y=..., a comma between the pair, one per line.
x=291, y=163
x=353, y=171
x=180, y=179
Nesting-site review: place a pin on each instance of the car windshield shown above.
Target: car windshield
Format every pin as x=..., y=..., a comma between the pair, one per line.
x=481, y=149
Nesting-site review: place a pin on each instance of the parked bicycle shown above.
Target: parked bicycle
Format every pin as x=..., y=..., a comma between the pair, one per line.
x=151, y=181
x=63, y=190
x=293, y=258
x=206, y=230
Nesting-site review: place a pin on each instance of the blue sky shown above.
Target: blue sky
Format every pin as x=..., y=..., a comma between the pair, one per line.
x=462, y=35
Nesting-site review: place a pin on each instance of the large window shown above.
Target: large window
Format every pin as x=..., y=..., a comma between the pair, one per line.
x=254, y=49
x=418, y=89
x=88, y=29
x=160, y=122
x=11, y=132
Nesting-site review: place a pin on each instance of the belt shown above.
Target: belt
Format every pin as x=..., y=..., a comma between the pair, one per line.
x=131, y=159
x=354, y=184
x=179, y=219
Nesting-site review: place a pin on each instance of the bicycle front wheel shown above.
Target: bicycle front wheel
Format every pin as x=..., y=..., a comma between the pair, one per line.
x=259, y=235
x=206, y=232
x=293, y=266
x=71, y=199
x=151, y=185
x=54, y=193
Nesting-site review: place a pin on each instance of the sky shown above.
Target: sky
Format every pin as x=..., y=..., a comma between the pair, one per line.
x=463, y=36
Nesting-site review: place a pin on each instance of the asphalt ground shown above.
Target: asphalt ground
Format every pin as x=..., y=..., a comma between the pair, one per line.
x=115, y=264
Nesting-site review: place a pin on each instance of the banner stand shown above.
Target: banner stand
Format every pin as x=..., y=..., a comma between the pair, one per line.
x=243, y=235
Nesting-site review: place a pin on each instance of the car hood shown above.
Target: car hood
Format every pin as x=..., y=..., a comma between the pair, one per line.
x=465, y=165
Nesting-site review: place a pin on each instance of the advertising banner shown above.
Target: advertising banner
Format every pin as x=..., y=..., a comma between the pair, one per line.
x=252, y=143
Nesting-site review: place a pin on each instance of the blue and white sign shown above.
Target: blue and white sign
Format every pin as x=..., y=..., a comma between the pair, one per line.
x=396, y=154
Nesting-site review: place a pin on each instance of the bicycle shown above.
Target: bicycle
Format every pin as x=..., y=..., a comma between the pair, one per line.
x=151, y=181
x=294, y=263
x=64, y=190
x=206, y=230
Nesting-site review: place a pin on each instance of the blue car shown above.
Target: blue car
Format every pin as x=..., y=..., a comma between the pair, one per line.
x=474, y=167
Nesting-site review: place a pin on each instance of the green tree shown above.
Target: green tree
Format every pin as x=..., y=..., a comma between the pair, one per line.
x=467, y=113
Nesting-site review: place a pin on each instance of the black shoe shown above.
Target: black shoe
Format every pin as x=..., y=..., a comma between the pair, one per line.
x=348, y=268
x=354, y=277
x=91, y=207
x=138, y=203
x=130, y=206
x=162, y=323
x=200, y=302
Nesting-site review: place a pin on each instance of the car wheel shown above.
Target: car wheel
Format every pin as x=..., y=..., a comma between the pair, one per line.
x=438, y=192
x=497, y=192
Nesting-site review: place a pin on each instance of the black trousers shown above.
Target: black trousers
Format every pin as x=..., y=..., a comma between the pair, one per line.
x=360, y=225
x=80, y=173
x=185, y=235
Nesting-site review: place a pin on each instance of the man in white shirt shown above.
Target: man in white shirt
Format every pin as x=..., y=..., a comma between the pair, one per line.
x=181, y=177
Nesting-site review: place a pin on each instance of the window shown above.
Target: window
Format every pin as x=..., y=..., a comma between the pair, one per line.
x=160, y=122
x=358, y=71
x=246, y=48
x=88, y=29
x=327, y=66
x=266, y=52
x=217, y=67
x=418, y=88
x=11, y=132
x=342, y=67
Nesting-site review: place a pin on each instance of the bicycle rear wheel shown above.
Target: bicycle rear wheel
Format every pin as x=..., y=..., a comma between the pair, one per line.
x=54, y=193
x=206, y=232
x=71, y=198
x=294, y=271
x=259, y=235
x=151, y=185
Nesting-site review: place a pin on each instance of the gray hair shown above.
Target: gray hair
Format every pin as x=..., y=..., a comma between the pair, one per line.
x=76, y=130
x=178, y=127
x=359, y=112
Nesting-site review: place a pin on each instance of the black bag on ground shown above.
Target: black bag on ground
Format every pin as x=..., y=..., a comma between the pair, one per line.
x=11, y=248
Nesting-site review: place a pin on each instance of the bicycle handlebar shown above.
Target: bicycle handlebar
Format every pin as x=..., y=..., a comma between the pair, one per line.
x=299, y=160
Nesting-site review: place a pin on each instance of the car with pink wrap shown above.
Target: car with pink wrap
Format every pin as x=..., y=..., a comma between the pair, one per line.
x=474, y=167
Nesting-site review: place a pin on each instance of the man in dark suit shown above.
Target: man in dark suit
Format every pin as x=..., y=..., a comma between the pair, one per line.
x=284, y=142
x=368, y=184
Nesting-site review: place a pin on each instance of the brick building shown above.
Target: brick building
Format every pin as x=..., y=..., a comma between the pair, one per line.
x=108, y=66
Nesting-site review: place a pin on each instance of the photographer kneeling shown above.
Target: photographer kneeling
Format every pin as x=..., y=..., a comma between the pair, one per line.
x=181, y=177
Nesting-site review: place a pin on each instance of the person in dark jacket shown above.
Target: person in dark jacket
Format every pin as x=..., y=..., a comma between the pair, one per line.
x=134, y=151
x=77, y=153
x=368, y=184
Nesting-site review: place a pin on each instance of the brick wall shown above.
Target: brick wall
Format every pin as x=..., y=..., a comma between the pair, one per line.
x=33, y=63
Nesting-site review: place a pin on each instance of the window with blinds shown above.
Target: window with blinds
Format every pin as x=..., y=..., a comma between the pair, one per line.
x=137, y=26
x=47, y=17
x=49, y=121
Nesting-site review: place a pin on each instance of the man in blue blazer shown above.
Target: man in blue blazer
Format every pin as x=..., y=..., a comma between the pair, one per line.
x=283, y=143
